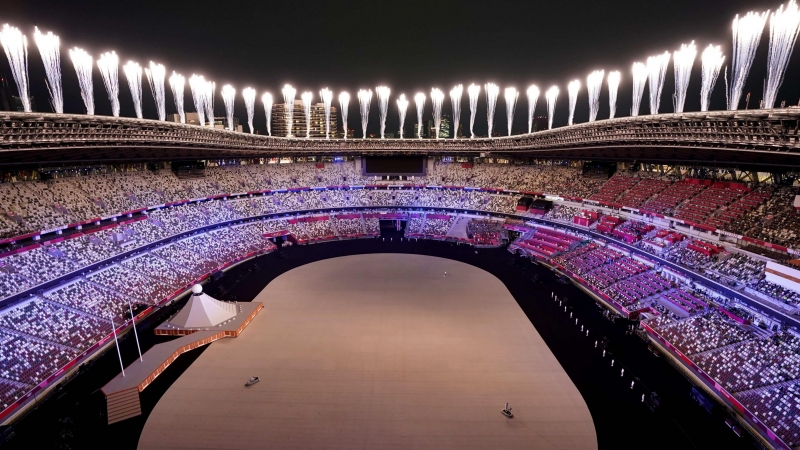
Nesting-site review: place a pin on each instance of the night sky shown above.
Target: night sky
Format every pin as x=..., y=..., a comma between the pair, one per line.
x=410, y=46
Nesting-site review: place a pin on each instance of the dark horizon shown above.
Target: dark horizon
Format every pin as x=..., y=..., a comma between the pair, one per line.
x=360, y=45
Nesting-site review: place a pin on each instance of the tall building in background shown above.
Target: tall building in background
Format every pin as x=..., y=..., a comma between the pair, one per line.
x=445, y=127
x=429, y=129
x=221, y=122
x=427, y=126
x=193, y=119
x=299, y=121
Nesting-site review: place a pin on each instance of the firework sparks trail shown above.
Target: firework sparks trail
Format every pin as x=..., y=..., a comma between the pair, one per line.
x=133, y=73
x=492, y=90
x=306, y=97
x=613, y=88
x=208, y=101
x=228, y=98
x=551, y=96
x=533, y=97
x=474, y=92
x=15, y=45
x=49, y=49
x=327, y=98
x=266, y=99
x=784, y=25
x=156, y=74
x=747, y=32
x=455, y=100
x=572, y=90
x=402, y=107
x=198, y=85
x=288, y=100
x=639, y=81
x=682, y=61
x=712, y=63
x=419, y=99
x=108, y=63
x=364, y=100
x=344, y=103
x=249, y=96
x=383, y=105
x=83, y=68
x=177, y=84
x=437, y=98
x=511, y=96
x=594, y=83
x=656, y=73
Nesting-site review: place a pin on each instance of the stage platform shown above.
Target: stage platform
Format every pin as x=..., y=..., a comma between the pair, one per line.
x=122, y=392
x=378, y=351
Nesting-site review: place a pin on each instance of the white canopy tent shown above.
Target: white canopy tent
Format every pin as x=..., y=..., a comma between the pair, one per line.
x=202, y=311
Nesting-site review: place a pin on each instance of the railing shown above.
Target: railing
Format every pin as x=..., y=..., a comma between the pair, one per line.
x=750, y=134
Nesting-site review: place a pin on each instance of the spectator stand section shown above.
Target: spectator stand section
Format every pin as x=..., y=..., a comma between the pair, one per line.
x=544, y=242
x=47, y=336
x=756, y=375
x=486, y=233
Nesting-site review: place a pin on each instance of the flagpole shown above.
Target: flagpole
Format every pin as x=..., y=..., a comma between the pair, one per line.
x=135, y=334
x=114, y=329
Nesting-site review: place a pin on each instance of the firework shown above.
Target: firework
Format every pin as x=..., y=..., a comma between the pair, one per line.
x=656, y=73
x=712, y=63
x=419, y=99
x=474, y=92
x=267, y=100
x=344, y=103
x=746, y=36
x=533, y=97
x=784, y=25
x=402, y=107
x=16, y=46
x=133, y=73
x=327, y=97
x=198, y=86
x=455, y=100
x=492, y=90
x=108, y=63
x=288, y=99
x=249, y=96
x=306, y=98
x=383, y=105
x=364, y=99
x=683, y=60
x=156, y=74
x=551, y=96
x=83, y=68
x=177, y=83
x=639, y=81
x=437, y=97
x=511, y=96
x=208, y=101
x=228, y=98
x=49, y=45
x=613, y=87
x=572, y=90
x=594, y=83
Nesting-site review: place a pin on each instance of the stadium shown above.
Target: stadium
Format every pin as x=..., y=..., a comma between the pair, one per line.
x=454, y=278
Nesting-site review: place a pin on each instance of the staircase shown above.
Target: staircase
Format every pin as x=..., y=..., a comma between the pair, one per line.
x=458, y=229
x=123, y=405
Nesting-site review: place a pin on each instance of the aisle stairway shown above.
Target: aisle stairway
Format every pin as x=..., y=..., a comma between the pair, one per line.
x=458, y=229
